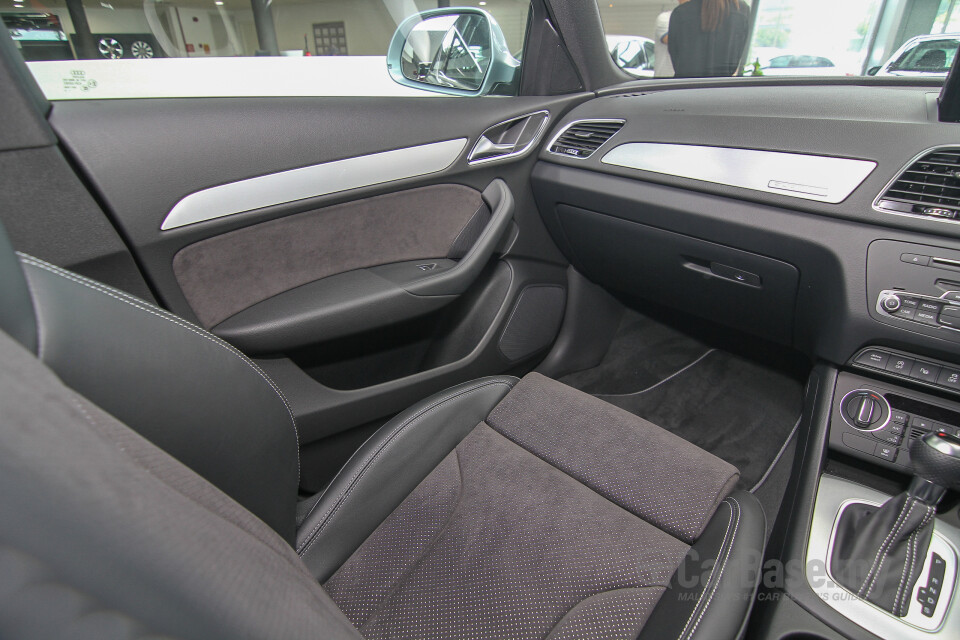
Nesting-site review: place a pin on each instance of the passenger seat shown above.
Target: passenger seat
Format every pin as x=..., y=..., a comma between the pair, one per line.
x=149, y=477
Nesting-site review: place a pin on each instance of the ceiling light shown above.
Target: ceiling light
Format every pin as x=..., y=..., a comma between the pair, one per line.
x=219, y=3
x=483, y=4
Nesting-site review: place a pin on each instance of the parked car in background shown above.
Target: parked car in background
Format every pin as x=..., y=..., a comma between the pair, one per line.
x=929, y=55
x=804, y=64
x=633, y=54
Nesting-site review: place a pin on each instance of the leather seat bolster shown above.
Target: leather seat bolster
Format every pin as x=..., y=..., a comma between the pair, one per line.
x=188, y=392
x=387, y=468
x=16, y=312
x=712, y=591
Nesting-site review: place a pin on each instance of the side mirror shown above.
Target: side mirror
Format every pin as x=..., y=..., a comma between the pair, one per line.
x=459, y=52
x=627, y=56
x=872, y=71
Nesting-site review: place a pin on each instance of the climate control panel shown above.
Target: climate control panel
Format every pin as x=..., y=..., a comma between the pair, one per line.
x=876, y=421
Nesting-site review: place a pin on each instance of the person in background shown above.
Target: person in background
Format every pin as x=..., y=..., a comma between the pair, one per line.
x=662, y=65
x=707, y=37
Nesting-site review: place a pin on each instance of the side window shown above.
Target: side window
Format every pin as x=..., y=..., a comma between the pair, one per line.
x=719, y=38
x=81, y=49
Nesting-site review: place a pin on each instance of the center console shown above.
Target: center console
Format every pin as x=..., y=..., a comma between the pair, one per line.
x=905, y=583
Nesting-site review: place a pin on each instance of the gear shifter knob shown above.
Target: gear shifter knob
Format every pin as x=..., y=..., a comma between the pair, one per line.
x=936, y=466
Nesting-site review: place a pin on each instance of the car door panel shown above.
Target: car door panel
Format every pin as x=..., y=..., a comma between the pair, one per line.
x=227, y=273
x=322, y=283
x=349, y=299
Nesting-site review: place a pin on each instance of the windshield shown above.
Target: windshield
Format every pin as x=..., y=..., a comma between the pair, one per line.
x=722, y=38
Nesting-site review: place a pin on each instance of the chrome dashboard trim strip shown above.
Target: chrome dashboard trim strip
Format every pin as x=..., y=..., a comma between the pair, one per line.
x=796, y=175
x=316, y=180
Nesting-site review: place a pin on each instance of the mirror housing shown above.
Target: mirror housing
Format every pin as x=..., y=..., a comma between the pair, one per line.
x=872, y=71
x=458, y=52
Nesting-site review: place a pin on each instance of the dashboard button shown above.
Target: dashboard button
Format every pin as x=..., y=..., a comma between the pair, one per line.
x=900, y=365
x=910, y=303
x=889, y=438
x=905, y=312
x=887, y=452
x=873, y=358
x=949, y=378
x=925, y=424
x=932, y=307
x=927, y=317
x=925, y=371
x=946, y=428
x=895, y=428
x=899, y=417
x=953, y=296
x=913, y=258
x=950, y=316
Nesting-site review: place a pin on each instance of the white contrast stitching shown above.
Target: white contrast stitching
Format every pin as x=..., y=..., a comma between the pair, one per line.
x=312, y=537
x=883, y=544
x=728, y=544
x=882, y=552
x=651, y=388
x=903, y=593
x=160, y=313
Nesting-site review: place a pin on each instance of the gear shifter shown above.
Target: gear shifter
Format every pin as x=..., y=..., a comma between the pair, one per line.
x=879, y=552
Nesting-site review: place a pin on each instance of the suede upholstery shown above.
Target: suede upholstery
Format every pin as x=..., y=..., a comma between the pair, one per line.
x=559, y=516
x=646, y=470
x=227, y=273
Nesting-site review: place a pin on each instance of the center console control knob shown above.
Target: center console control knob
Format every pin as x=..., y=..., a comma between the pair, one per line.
x=864, y=409
x=890, y=303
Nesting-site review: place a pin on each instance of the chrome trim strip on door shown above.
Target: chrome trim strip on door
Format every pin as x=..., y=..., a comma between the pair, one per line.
x=810, y=177
x=316, y=180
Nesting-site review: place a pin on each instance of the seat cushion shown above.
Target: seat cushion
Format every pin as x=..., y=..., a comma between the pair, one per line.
x=559, y=516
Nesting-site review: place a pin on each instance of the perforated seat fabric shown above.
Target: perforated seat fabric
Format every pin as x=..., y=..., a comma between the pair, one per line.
x=139, y=501
x=560, y=516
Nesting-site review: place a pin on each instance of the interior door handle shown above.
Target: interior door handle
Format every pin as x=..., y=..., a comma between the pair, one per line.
x=485, y=148
x=510, y=138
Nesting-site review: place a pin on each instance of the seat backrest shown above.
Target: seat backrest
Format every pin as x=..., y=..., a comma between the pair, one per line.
x=103, y=535
x=933, y=59
x=188, y=392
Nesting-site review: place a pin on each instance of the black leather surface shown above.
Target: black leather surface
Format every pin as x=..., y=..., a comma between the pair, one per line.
x=712, y=592
x=16, y=309
x=878, y=552
x=388, y=467
x=183, y=389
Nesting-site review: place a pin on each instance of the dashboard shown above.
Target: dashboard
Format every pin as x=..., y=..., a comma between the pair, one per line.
x=756, y=207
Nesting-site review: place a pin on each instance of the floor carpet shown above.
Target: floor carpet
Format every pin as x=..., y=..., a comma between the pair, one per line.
x=743, y=407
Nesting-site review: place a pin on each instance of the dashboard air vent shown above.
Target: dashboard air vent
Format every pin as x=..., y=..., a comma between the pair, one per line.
x=581, y=139
x=928, y=187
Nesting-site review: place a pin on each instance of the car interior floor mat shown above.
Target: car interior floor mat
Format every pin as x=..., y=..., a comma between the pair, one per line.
x=736, y=407
x=643, y=352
